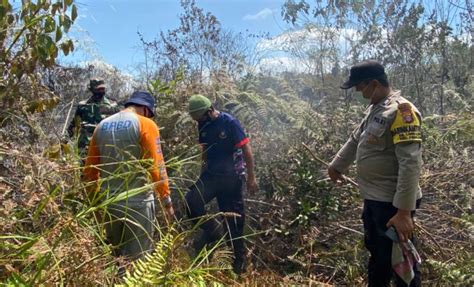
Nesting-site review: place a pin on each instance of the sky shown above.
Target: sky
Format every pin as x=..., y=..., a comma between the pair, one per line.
x=107, y=29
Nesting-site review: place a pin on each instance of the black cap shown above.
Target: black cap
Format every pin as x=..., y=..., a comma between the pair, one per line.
x=366, y=70
x=95, y=84
x=142, y=98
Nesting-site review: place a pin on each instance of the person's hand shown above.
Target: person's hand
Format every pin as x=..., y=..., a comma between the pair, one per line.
x=169, y=210
x=64, y=139
x=335, y=175
x=403, y=223
x=92, y=191
x=252, y=186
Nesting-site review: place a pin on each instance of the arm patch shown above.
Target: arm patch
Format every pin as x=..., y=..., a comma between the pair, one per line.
x=406, y=126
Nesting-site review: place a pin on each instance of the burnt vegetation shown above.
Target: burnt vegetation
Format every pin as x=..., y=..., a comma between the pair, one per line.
x=301, y=229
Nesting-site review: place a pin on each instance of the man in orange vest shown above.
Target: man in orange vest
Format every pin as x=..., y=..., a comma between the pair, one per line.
x=125, y=153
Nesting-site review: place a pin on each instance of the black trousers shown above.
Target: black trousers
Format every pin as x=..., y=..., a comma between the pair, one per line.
x=375, y=216
x=229, y=193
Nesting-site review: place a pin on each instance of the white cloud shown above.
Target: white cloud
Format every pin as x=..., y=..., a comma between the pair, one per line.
x=307, y=39
x=113, y=8
x=278, y=64
x=295, y=50
x=259, y=16
x=298, y=50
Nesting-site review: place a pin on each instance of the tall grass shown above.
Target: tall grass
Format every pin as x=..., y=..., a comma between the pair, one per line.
x=59, y=239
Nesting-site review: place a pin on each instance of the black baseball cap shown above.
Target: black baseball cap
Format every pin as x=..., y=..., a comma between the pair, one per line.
x=142, y=98
x=366, y=70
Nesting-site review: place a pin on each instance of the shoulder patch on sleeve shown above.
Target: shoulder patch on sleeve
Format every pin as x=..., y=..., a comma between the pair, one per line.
x=407, y=112
x=406, y=127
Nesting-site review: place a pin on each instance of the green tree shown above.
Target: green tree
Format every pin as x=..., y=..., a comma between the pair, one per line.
x=198, y=45
x=31, y=37
x=419, y=42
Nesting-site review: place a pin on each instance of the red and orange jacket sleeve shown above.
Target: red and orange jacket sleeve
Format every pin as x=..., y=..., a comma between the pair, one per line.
x=151, y=149
x=91, y=171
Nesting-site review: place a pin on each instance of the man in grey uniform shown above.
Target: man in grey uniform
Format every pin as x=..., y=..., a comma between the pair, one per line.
x=386, y=147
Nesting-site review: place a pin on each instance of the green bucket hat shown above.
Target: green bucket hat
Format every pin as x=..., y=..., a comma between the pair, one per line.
x=198, y=106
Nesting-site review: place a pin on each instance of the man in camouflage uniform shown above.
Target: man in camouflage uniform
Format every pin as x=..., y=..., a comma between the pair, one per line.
x=386, y=147
x=89, y=113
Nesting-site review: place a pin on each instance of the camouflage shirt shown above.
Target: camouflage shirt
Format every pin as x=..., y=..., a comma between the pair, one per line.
x=88, y=115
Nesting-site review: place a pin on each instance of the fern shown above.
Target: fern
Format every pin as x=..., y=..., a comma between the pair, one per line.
x=455, y=273
x=161, y=269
